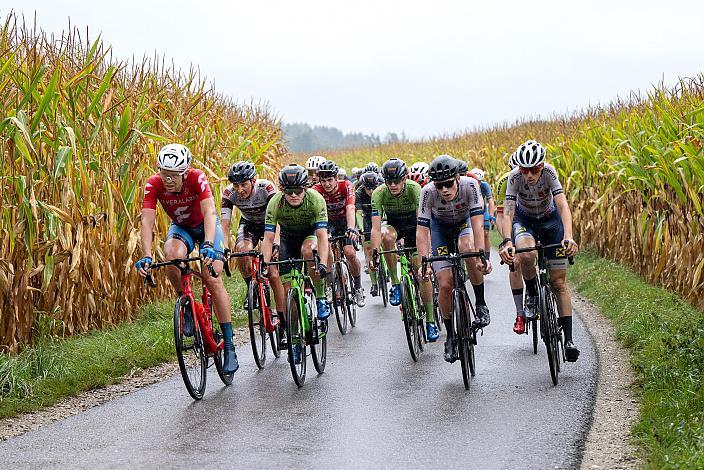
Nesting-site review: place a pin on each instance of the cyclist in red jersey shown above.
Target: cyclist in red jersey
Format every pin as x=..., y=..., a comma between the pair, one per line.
x=340, y=200
x=185, y=195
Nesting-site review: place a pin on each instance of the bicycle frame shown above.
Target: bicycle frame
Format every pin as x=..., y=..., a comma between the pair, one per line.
x=255, y=270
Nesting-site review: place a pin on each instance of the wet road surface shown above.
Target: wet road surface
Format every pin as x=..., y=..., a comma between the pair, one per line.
x=372, y=408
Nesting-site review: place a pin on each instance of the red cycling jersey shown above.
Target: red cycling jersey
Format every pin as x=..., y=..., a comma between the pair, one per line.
x=183, y=208
x=339, y=200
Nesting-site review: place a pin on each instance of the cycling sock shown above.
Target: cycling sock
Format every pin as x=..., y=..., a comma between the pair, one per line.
x=518, y=300
x=532, y=287
x=566, y=324
x=319, y=285
x=479, y=293
x=227, y=333
x=429, y=315
x=357, y=282
x=448, y=327
x=372, y=275
x=393, y=274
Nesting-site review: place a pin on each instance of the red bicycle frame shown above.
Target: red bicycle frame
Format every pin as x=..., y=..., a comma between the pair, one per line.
x=255, y=267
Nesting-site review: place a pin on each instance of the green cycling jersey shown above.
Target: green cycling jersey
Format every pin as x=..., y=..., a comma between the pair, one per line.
x=400, y=210
x=302, y=220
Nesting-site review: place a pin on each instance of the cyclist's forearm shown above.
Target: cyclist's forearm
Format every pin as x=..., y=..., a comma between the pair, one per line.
x=323, y=249
x=210, y=218
x=509, y=211
x=565, y=215
x=267, y=246
x=146, y=231
x=477, y=222
x=376, y=232
x=350, y=217
x=422, y=240
x=226, y=232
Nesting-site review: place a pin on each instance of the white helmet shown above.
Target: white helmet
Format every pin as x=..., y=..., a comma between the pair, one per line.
x=530, y=154
x=341, y=172
x=479, y=173
x=419, y=167
x=512, y=161
x=314, y=162
x=174, y=157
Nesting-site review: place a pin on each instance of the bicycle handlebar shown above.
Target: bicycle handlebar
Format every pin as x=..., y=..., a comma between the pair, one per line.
x=539, y=248
x=456, y=257
x=178, y=262
x=337, y=238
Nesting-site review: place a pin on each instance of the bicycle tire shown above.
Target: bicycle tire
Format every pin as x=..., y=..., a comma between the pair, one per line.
x=193, y=366
x=338, y=297
x=383, y=281
x=218, y=358
x=533, y=325
x=319, y=348
x=550, y=334
x=351, y=305
x=471, y=314
x=257, y=332
x=296, y=335
x=559, y=345
x=436, y=304
x=274, y=342
x=459, y=309
x=409, y=320
x=420, y=316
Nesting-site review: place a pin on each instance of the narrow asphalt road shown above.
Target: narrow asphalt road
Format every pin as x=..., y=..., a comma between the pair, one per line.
x=372, y=408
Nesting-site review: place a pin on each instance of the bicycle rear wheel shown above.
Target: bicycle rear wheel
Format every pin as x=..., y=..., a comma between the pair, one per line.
x=548, y=321
x=296, y=336
x=339, y=300
x=190, y=352
x=257, y=331
x=410, y=324
x=319, y=346
x=464, y=344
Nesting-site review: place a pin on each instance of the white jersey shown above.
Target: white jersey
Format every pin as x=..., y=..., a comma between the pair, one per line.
x=254, y=207
x=537, y=201
x=467, y=203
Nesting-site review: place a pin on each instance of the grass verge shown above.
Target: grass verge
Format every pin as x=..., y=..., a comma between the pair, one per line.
x=56, y=368
x=665, y=336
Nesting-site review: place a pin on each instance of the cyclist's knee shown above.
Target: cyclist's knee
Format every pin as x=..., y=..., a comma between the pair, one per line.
x=465, y=244
x=243, y=245
x=444, y=279
x=558, y=282
x=175, y=248
x=350, y=253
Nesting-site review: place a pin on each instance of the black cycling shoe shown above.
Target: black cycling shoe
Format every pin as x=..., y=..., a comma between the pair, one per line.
x=230, y=364
x=374, y=291
x=483, y=318
x=531, y=307
x=188, y=323
x=571, y=352
x=450, y=354
x=283, y=343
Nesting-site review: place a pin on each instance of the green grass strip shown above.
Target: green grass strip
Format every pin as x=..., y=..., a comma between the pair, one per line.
x=665, y=336
x=57, y=368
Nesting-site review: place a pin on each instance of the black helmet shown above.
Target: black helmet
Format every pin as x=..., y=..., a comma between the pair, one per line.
x=327, y=169
x=371, y=180
x=293, y=176
x=443, y=167
x=462, y=167
x=241, y=172
x=371, y=166
x=393, y=169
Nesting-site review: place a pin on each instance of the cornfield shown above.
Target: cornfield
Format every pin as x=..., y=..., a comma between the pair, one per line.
x=633, y=173
x=78, y=138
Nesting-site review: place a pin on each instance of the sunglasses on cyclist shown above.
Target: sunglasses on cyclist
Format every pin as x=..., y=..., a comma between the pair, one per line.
x=533, y=170
x=444, y=184
x=292, y=191
x=393, y=181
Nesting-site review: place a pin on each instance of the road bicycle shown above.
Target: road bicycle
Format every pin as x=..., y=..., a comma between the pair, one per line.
x=342, y=286
x=550, y=331
x=412, y=311
x=194, y=353
x=262, y=323
x=304, y=329
x=463, y=313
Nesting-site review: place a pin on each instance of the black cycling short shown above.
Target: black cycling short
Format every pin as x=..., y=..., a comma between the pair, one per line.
x=250, y=231
x=337, y=228
x=404, y=231
x=290, y=247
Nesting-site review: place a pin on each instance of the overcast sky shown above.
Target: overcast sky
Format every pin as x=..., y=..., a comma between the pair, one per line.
x=424, y=68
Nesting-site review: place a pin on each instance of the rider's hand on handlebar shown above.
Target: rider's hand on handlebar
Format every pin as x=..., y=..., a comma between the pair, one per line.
x=143, y=264
x=353, y=235
x=570, y=246
x=208, y=253
x=322, y=270
x=425, y=271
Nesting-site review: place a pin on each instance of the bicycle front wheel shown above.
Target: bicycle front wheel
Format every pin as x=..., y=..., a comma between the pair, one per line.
x=190, y=352
x=257, y=331
x=296, y=337
x=548, y=320
x=410, y=323
x=339, y=299
x=436, y=304
x=350, y=304
x=462, y=329
x=383, y=280
x=319, y=346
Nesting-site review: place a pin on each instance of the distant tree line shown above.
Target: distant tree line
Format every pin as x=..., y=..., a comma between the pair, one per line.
x=301, y=137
